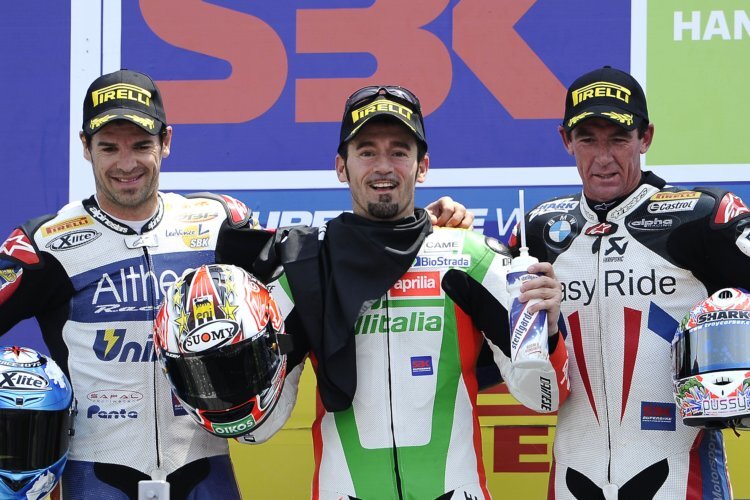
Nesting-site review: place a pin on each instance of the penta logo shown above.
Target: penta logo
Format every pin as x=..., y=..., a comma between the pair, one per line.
x=73, y=239
x=96, y=411
x=17, y=380
x=212, y=334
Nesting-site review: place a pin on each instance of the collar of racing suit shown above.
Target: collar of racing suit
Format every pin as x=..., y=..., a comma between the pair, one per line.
x=601, y=209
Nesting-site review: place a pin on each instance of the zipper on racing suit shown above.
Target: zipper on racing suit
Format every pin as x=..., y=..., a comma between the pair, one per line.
x=152, y=313
x=390, y=396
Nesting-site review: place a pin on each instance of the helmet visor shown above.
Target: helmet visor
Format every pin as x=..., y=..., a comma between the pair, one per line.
x=32, y=439
x=714, y=347
x=223, y=378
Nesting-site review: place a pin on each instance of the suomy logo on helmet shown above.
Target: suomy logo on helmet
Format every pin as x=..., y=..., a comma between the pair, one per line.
x=22, y=381
x=210, y=335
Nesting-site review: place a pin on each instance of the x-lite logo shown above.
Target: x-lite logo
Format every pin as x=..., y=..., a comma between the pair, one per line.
x=614, y=246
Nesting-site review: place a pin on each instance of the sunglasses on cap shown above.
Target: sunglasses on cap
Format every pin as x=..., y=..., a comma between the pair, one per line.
x=400, y=93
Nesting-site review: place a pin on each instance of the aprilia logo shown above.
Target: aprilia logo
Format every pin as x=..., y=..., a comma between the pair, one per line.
x=417, y=284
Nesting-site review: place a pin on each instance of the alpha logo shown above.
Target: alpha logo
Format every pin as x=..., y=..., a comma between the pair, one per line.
x=614, y=246
x=121, y=91
x=73, y=239
x=658, y=416
x=66, y=225
x=654, y=223
x=417, y=284
x=730, y=207
x=559, y=230
x=679, y=195
x=561, y=205
x=421, y=365
x=659, y=207
x=110, y=345
x=10, y=278
x=601, y=89
x=601, y=229
x=210, y=335
x=713, y=316
x=19, y=247
x=95, y=410
x=381, y=105
x=18, y=380
x=114, y=396
x=417, y=321
x=459, y=260
x=197, y=216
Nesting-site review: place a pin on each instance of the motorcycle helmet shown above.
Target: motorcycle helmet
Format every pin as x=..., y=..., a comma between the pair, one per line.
x=221, y=342
x=36, y=423
x=711, y=355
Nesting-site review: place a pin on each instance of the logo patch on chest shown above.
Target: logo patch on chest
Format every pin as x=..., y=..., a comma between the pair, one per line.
x=421, y=365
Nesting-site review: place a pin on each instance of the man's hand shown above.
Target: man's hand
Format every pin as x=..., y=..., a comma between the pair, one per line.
x=445, y=212
x=548, y=290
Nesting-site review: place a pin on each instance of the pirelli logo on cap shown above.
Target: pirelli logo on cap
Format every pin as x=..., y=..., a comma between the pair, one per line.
x=67, y=225
x=601, y=89
x=578, y=118
x=623, y=118
x=143, y=122
x=679, y=195
x=381, y=105
x=121, y=91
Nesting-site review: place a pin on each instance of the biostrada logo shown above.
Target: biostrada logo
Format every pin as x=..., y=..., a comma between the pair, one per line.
x=442, y=261
x=417, y=321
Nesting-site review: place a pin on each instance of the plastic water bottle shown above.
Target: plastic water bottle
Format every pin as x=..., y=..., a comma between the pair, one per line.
x=528, y=331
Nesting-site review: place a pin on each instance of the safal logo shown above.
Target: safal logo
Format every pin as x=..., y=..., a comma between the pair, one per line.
x=114, y=396
x=16, y=380
x=210, y=335
x=73, y=239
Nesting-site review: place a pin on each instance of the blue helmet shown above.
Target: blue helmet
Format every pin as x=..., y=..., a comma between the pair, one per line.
x=36, y=422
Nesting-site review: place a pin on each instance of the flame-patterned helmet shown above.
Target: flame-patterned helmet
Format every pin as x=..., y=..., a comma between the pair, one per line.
x=220, y=339
x=711, y=354
x=36, y=422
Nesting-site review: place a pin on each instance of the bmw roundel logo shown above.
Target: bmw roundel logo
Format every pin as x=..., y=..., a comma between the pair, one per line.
x=560, y=230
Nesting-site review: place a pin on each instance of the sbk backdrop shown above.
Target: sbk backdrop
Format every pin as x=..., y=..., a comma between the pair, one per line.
x=255, y=91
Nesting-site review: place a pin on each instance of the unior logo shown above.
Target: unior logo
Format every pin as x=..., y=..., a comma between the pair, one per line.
x=213, y=334
x=73, y=239
x=16, y=380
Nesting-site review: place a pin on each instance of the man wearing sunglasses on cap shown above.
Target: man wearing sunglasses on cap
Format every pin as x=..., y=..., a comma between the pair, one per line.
x=94, y=274
x=393, y=315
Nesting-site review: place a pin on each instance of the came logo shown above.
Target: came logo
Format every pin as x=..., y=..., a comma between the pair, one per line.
x=417, y=284
x=110, y=345
x=73, y=239
x=18, y=380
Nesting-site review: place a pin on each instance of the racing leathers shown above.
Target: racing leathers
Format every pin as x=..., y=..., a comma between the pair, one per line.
x=93, y=284
x=630, y=272
x=412, y=430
